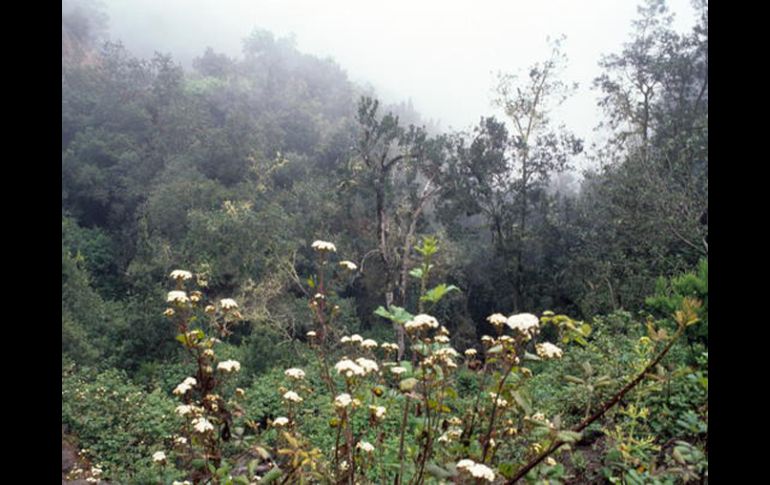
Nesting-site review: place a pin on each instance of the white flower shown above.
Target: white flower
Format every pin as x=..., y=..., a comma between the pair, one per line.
x=550, y=461
x=378, y=411
x=465, y=464
x=369, y=344
x=367, y=365
x=229, y=366
x=525, y=323
x=345, y=339
x=186, y=482
x=343, y=400
x=487, y=340
x=365, y=446
x=356, y=338
x=202, y=425
x=349, y=265
x=159, y=457
x=538, y=417
x=228, y=303
x=482, y=471
x=177, y=296
x=421, y=322
x=442, y=339
x=470, y=352
x=180, y=440
x=282, y=421
x=295, y=373
x=397, y=370
x=180, y=274
x=548, y=350
x=497, y=319
x=349, y=368
x=185, y=386
x=388, y=346
x=311, y=334
x=323, y=246
x=184, y=409
x=292, y=396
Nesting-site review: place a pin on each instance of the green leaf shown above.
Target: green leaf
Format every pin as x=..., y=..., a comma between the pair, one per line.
x=310, y=282
x=394, y=314
x=435, y=294
x=522, y=401
x=569, y=436
x=272, y=475
x=416, y=273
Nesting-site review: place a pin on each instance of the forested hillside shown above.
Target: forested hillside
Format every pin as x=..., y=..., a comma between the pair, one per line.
x=450, y=308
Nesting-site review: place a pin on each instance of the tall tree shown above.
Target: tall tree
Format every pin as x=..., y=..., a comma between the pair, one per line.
x=537, y=148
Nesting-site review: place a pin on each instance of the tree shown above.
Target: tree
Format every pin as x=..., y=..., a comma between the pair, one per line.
x=399, y=165
x=537, y=149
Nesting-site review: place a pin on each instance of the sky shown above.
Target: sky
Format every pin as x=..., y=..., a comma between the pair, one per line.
x=443, y=55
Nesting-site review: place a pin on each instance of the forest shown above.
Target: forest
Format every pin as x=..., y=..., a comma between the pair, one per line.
x=269, y=275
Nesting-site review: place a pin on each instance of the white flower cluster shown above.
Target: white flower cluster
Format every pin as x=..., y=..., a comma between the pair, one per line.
x=323, y=247
x=353, y=339
x=180, y=274
x=159, y=457
x=343, y=400
x=369, y=344
x=349, y=265
x=292, y=397
x=365, y=446
x=397, y=370
x=228, y=303
x=177, y=482
x=421, y=322
x=281, y=421
x=368, y=365
x=378, y=411
x=525, y=323
x=470, y=352
x=177, y=296
x=185, y=386
x=548, y=350
x=185, y=409
x=389, y=347
x=451, y=434
x=497, y=319
x=202, y=425
x=229, y=366
x=349, y=368
x=476, y=470
x=295, y=373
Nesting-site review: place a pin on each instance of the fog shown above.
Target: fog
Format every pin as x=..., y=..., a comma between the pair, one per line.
x=443, y=56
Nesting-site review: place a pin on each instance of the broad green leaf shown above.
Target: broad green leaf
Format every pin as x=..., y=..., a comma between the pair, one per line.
x=435, y=294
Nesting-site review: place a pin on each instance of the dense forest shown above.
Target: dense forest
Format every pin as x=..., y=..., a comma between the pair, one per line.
x=347, y=295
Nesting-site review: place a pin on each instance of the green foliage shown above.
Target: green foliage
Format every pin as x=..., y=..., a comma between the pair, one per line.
x=119, y=424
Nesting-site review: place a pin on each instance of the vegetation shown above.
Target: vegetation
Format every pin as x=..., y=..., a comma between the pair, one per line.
x=474, y=320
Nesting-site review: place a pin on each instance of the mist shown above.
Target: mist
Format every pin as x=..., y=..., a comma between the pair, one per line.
x=443, y=56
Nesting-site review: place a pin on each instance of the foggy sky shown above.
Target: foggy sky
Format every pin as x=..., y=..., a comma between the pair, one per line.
x=441, y=54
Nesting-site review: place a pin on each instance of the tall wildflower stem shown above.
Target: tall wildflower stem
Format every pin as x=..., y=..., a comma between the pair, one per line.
x=405, y=414
x=494, y=411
